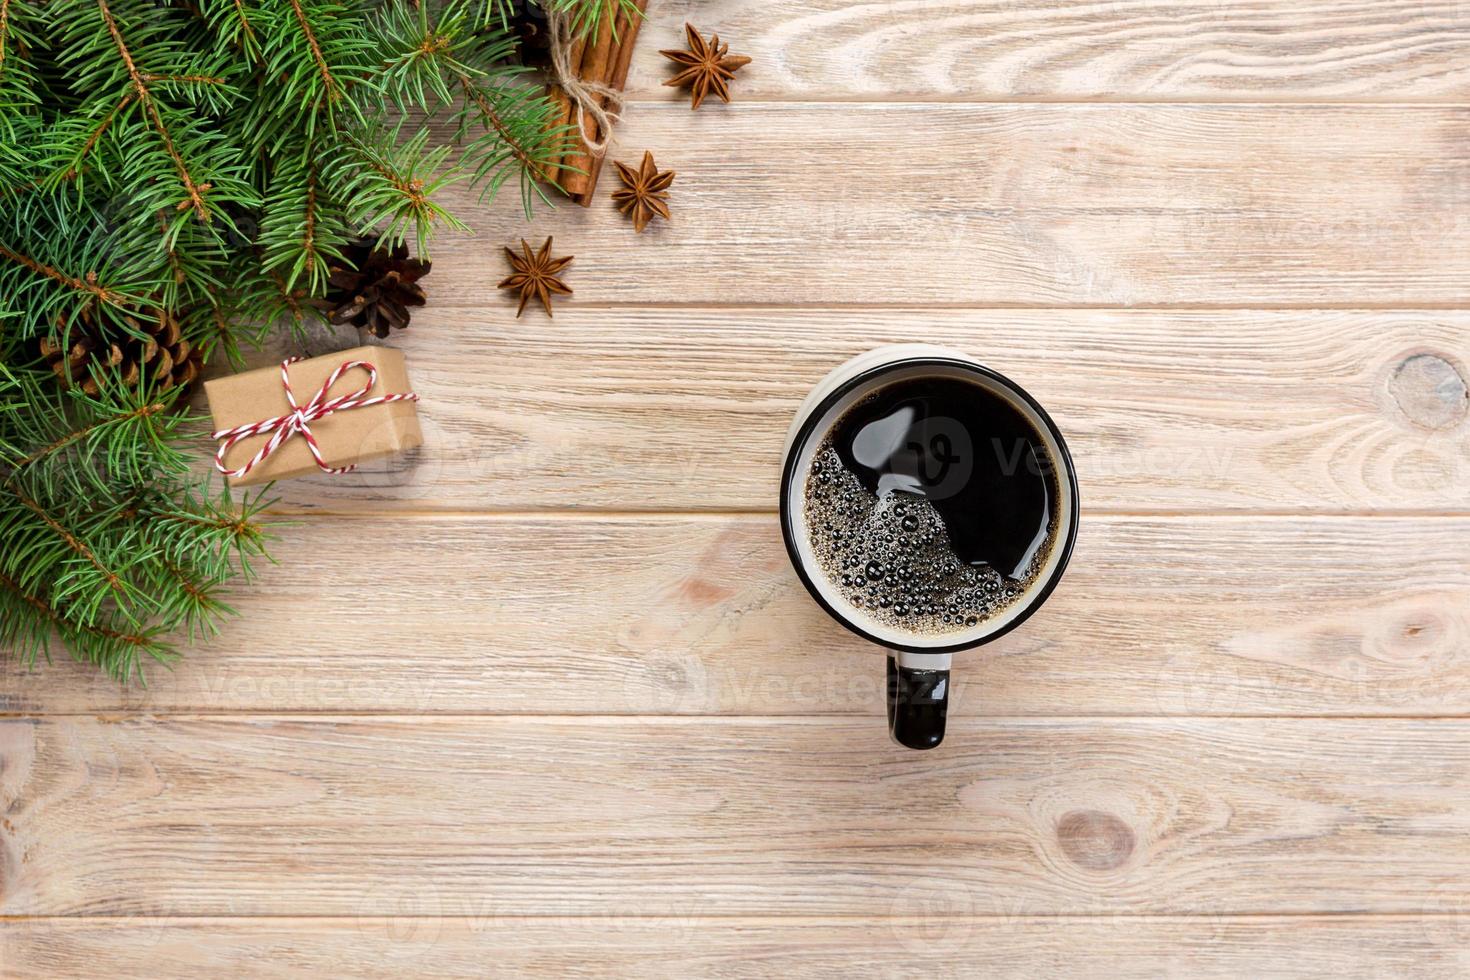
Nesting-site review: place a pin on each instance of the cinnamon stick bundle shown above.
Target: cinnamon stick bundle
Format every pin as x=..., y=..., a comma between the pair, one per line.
x=565, y=115
x=603, y=57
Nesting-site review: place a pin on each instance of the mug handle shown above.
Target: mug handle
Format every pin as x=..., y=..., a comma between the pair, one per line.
x=918, y=698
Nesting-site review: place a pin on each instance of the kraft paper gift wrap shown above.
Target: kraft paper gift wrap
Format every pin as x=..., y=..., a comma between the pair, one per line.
x=345, y=437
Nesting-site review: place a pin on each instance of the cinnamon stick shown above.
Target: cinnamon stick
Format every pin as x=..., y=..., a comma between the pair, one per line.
x=562, y=107
x=627, y=33
x=595, y=60
x=628, y=24
x=568, y=113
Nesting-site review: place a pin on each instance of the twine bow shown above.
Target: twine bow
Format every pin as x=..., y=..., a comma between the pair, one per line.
x=587, y=97
x=299, y=419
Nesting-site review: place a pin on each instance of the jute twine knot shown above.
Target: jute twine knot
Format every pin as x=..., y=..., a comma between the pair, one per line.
x=587, y=98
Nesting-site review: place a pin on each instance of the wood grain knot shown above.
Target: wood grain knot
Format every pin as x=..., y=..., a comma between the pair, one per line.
x=1430, y=391
x=705, y=593
x=1095, y=840
x=1416, y=631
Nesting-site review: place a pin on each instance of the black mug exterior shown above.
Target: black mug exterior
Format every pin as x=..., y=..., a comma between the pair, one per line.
x=918, y=703
x=918, y=698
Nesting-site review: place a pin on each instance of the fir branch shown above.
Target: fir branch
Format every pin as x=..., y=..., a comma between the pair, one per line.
x=77, y=435
x=235, y=32
x=96, y=135
x=504, y=149
x=145, y=98
x=393, y=183
x=41, y=606
x=487, y=110
x=171, y=253
x=310, y=217
x=114, y=581
x=411, y=188
x=88, y=285
x=586, y=15
x=109, y=637
x=138, y=507
x=199, y=609
x=189, y=79
x=218, y=324
x=35, y=602
x=292, y=300
x=4, y=30
x=306, y=230
x=15, y=73
x=244, y=20
x=122, y=436
x=333, y=93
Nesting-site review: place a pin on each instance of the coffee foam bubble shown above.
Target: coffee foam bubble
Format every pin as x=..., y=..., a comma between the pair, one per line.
x=891, y=557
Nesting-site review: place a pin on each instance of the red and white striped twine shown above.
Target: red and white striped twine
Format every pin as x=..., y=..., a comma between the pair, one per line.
x=299, y=419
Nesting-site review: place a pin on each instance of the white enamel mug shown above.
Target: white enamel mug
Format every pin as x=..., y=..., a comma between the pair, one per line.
x=918, y=665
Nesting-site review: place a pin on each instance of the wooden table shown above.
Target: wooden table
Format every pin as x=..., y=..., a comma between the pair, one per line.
x=576, y=716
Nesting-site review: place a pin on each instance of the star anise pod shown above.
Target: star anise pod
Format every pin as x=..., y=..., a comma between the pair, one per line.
x=645, y=191
x=707, y=65
x=535, y=275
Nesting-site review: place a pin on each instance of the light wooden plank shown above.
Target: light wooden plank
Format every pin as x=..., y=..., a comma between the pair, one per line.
x=688, y=409
x=933, y=945
x=538, y=816
x=705, y=616
x=1018, y=49
x=984, y=204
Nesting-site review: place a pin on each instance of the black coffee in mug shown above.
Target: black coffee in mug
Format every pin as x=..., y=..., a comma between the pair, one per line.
x=928, y=504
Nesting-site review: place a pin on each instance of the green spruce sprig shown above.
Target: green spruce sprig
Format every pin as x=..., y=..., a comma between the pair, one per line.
x=214, y=158
x=110, y=542
x=207, y=161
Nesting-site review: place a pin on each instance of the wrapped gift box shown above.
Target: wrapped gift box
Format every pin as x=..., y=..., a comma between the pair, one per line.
x=348, y=436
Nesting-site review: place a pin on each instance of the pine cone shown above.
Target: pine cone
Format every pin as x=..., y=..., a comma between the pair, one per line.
x=155, y=352
x=527, y=22
x=374, y=288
